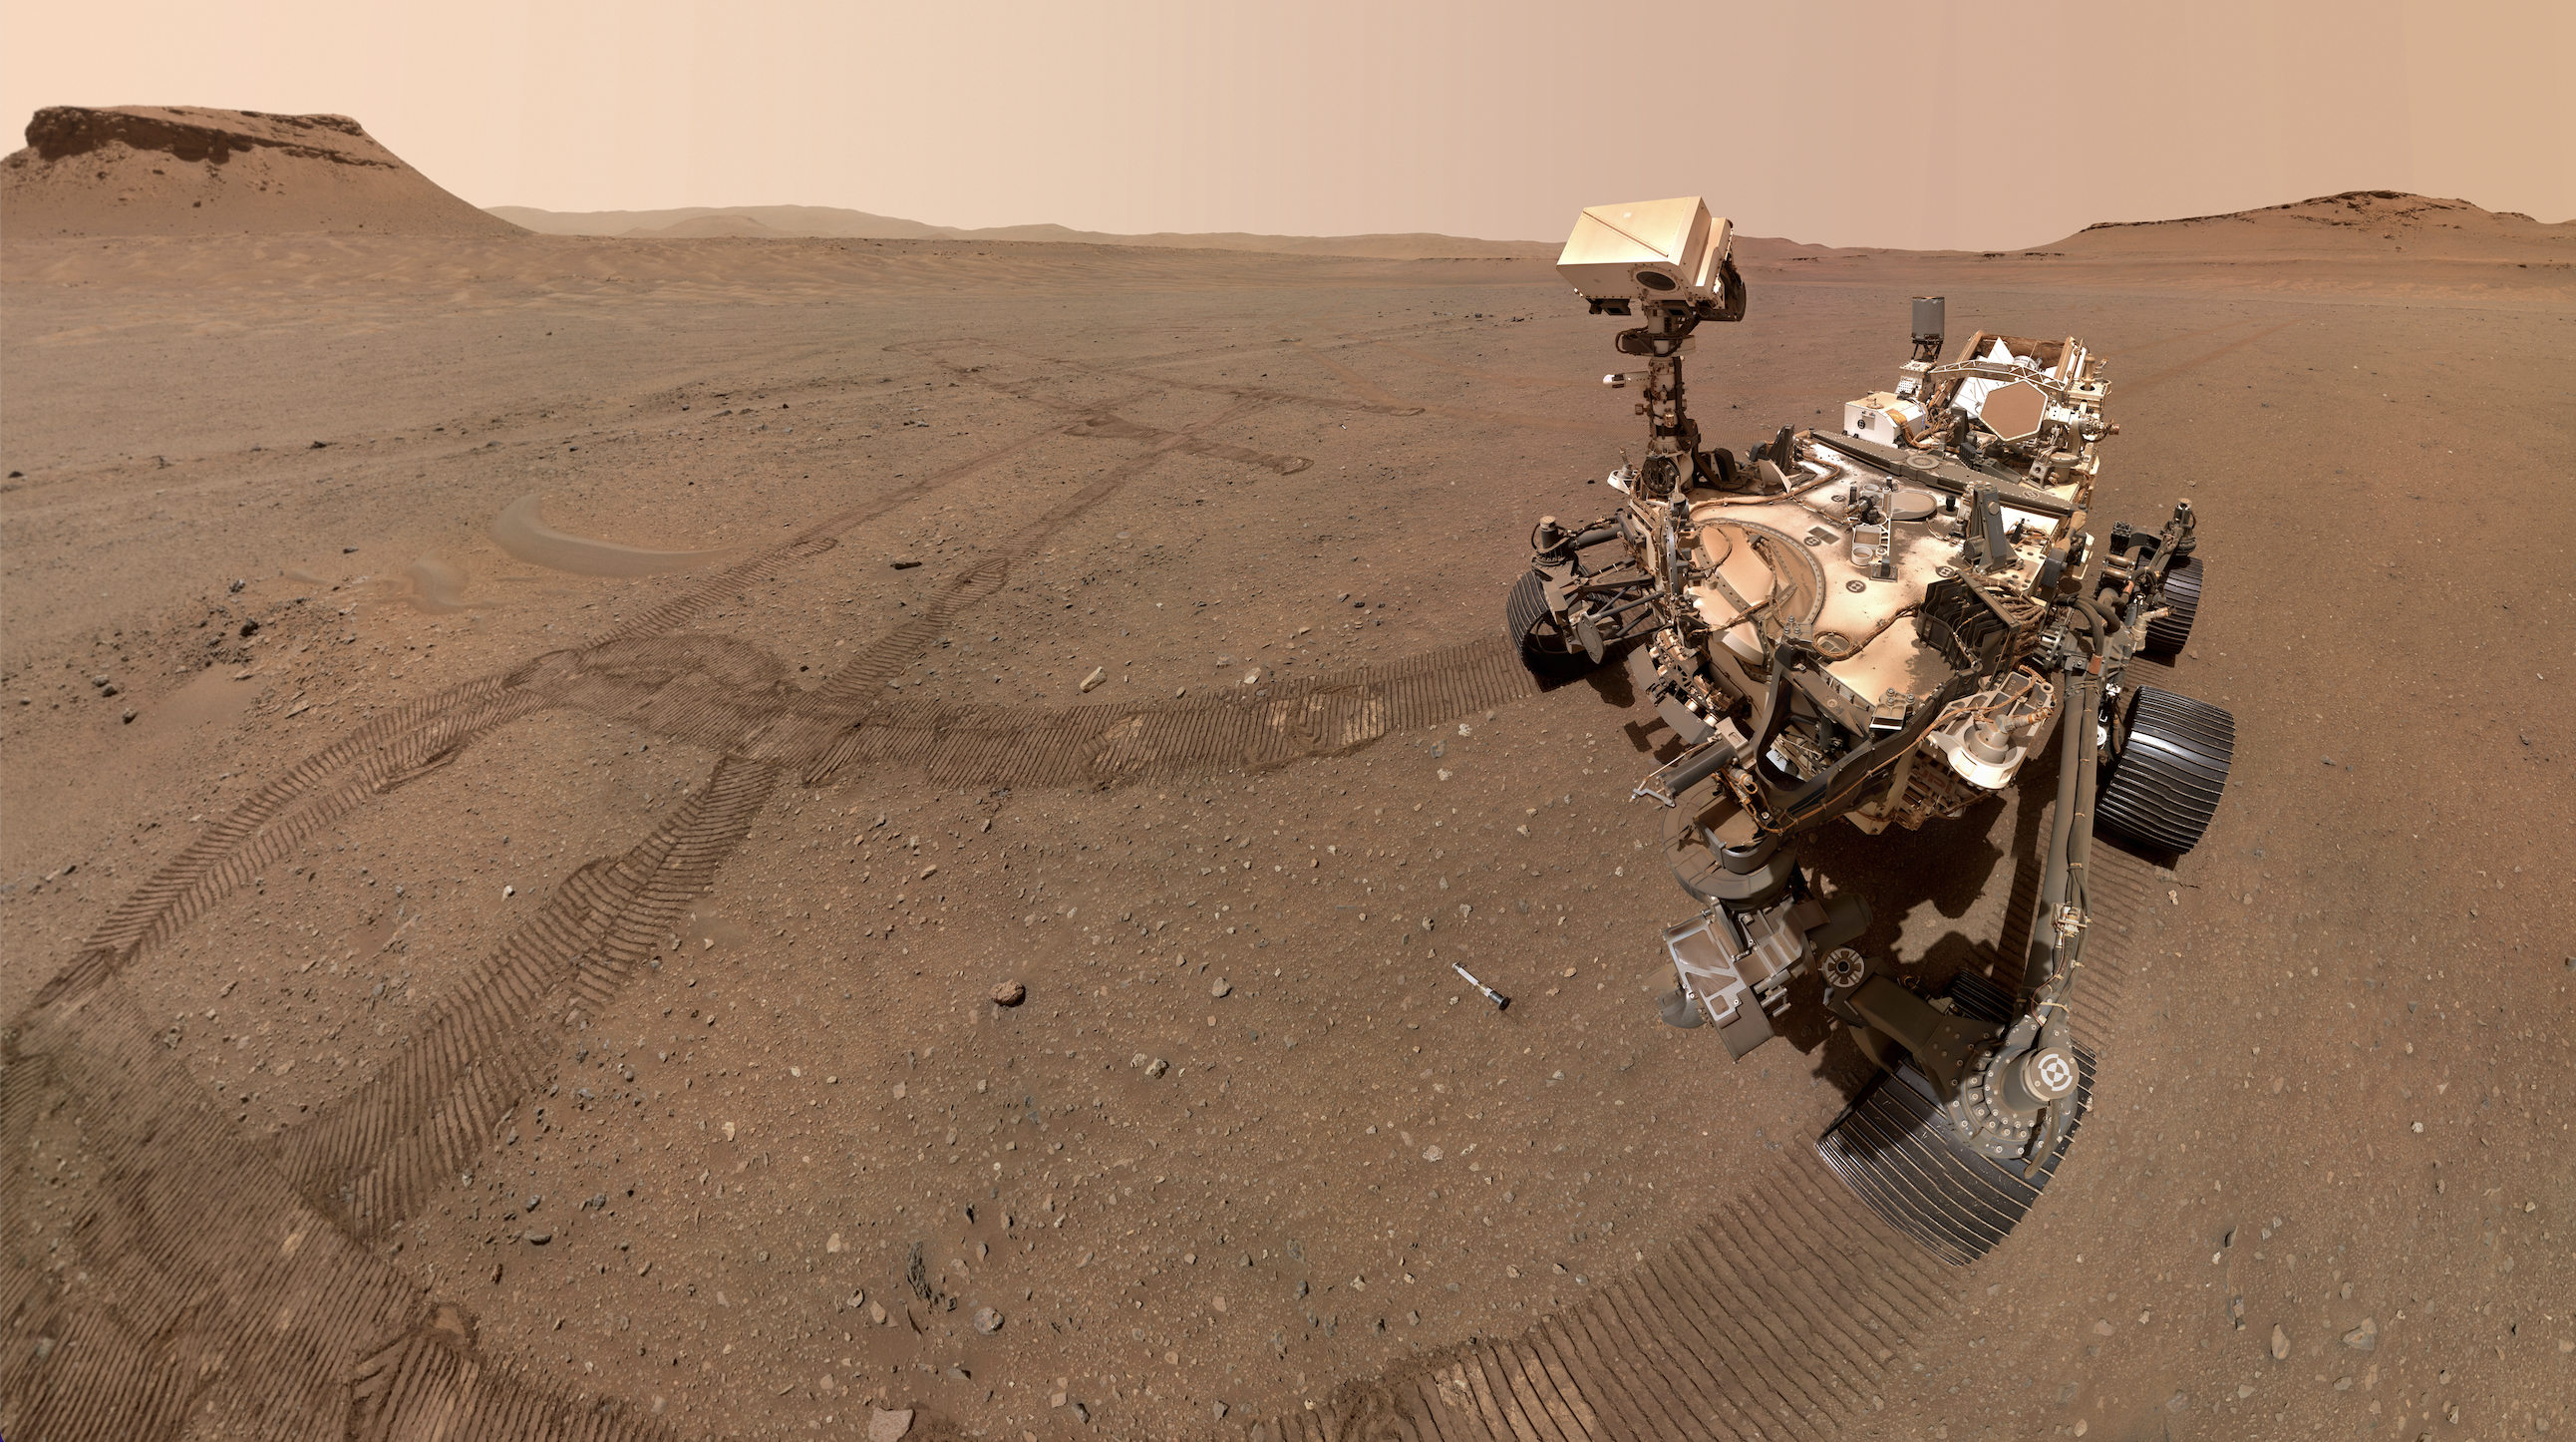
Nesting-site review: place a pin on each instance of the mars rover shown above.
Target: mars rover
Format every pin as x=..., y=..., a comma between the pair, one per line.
x=1881, y=623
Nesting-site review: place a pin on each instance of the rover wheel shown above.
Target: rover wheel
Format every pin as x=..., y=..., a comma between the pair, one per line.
x=2165, y=785
x=2182, y=593
x=1546, y=650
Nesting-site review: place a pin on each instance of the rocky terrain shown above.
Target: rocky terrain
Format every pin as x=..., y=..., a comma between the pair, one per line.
x=725, y=838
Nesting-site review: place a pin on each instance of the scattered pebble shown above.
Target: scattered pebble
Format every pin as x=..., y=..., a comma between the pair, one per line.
x=1220, y=987
x=539, y=1239
x=2364, y=1337
x=1098, y=675
x=987, y=1321
x=1010, y=993
x=1157, y=1067
x=885, y=1426
x=2280, y=1344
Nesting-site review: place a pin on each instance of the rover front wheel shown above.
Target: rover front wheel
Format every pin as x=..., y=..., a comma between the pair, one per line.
x=2166, y=635
x=1544, y=646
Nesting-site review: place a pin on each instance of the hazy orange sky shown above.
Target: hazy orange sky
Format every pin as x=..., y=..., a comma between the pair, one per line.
x=1921, y=125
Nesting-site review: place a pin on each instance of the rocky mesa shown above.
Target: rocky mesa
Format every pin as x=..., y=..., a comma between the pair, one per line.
x=187, y=170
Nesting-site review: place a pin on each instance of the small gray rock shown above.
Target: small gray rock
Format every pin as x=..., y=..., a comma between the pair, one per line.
x=1220, y=987
x=2364, y=1337
x=1157, y=1067
x=2280, y=1344
x=538, y=1239
x=1010, y=993
x=884, y=1426
x=987, y=1321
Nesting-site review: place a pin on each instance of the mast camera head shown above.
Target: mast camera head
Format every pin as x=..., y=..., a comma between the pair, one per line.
x=1653, y=252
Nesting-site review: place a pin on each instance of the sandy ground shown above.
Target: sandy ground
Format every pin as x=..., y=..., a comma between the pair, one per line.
x=1248, y=1141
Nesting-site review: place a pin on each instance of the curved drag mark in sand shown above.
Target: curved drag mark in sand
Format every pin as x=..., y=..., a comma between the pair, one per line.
x=522, y=531
x=1382, y=399
x=1473, y=372
x=1161, y=382
x=2186, y=335
x=2131, y=388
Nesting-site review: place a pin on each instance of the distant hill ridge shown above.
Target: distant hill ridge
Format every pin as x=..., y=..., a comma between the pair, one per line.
x=2349, y=207
x=190, y=170
x=187, y=170
x=785, y=222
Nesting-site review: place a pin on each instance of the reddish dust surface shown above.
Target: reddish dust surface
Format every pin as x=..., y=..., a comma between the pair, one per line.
x=1249, y=1149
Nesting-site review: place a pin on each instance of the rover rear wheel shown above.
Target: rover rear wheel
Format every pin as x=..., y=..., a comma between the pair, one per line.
x=2164, y=786
x=1544, y=648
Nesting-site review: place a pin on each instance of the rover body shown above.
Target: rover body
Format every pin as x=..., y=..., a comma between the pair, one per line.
x=1878, y=622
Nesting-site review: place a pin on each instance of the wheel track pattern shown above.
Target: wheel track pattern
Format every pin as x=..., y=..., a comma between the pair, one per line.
x=371, y=1157
x=1747, y=1325
x=1785, y=1313
x=380, y=755
x=211, y=1299
x=198, y=1235
x=228, y=1283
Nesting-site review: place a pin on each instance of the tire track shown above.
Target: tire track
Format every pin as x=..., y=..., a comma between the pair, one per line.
x=371, y=1157
x=1782, y=1313
x=227, y=1282
x=2131, y=388
x=210, y=1299
x=1701, y=1341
